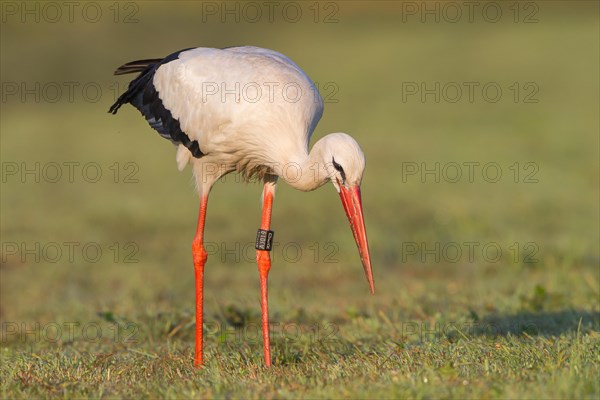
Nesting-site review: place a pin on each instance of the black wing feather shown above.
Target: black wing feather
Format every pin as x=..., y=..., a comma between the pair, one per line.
x=142, y=94
x=136, y=66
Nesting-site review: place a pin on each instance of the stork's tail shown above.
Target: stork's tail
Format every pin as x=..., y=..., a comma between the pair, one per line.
x=136, y=66
x=144, y=67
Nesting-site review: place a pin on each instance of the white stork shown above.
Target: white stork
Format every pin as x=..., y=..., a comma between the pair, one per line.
x=253, y=111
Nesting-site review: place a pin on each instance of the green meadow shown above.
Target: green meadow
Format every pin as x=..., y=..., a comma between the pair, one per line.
x=481, y=193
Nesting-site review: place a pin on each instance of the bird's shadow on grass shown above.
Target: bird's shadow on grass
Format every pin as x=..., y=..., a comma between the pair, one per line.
x=542, y=323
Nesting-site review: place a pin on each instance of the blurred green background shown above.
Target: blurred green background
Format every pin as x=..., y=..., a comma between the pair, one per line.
x=545, y=59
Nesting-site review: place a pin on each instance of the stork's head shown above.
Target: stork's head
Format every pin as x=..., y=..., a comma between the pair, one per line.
x=344, y=160
x=344, y=163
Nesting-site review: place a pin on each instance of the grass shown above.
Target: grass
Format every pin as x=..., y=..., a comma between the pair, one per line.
x=522, y=323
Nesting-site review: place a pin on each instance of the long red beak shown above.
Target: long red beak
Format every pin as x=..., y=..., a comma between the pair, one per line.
x=353, y=206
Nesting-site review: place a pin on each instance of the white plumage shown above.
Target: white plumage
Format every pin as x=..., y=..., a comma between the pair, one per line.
x=255, y=119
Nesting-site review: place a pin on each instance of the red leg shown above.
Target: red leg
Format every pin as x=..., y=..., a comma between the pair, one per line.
x=264, y=265
x=200, y=256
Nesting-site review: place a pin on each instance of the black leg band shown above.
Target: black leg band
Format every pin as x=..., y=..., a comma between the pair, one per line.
x=264, y=240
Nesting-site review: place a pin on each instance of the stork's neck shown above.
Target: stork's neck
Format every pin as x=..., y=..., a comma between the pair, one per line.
x=308, y=171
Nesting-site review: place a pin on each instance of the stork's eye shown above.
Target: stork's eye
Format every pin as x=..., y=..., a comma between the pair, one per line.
x=339, y=169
